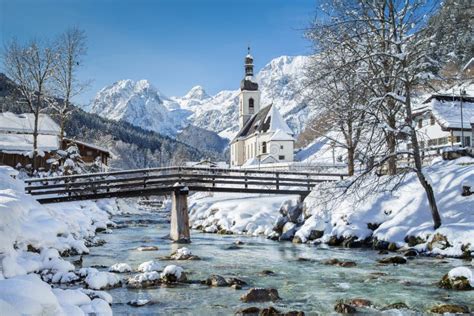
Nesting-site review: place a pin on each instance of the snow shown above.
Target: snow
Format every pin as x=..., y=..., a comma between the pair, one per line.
x=402, y=213
x=98, y=280
x=281, y=135
x=144, y=277
x=120, y=268
x=24, y=123
x=182, y=252
x=172, y=270
x=250, y=214
x=23, y=143
x=51, y=230
x=277, y=123
x=462, y=272
x=149, y=266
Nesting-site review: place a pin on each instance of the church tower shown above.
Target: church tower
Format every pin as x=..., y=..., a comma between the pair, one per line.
x=249, y=97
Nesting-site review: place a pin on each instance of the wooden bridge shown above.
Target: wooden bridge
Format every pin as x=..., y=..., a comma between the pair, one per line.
x=174, y=181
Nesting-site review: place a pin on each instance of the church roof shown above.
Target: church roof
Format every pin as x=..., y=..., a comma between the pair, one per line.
x=266, y=120
x=281, y=135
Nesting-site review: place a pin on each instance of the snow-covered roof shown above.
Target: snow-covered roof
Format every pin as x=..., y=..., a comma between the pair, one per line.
x=446, y=107
x=267, y=120
x=15, y=143
x=98, y=148
x=281, y=136
x=24, y=123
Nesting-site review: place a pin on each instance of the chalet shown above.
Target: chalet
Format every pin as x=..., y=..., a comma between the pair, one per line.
x=444, y=120
x=263, y=137
x=16, y=141
x=89, y=153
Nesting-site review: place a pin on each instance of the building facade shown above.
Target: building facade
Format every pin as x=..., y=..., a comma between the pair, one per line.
x=263, y=137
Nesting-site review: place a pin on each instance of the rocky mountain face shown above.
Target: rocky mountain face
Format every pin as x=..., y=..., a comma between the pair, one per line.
x=139, y=103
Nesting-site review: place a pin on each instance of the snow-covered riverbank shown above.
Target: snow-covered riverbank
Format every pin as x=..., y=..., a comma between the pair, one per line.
x=32, y=239
x=401, y=218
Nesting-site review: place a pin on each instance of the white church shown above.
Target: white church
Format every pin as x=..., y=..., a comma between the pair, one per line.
x=263, y=137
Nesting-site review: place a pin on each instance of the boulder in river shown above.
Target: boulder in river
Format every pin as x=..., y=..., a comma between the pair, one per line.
x=173, y=274
x=398, y=305
x=339, y=263
x=450, y=308
x=393, y=260
x=344, y=308
x=460, y=278
x=138, y=303
x=289, y=230
x=268, y=311
x=144, y=280
x=216, y=280
x=260, y=295
x=183, y=253
x=267, y=272
x=359, y=302
x=236, y=281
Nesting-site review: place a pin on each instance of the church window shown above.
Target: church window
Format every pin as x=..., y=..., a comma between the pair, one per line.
x=281, y=157
x=281, y=147
x=264, y=148
x=251, y=106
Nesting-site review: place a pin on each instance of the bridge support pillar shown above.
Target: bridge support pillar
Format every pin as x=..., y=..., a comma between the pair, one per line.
x=179, y=216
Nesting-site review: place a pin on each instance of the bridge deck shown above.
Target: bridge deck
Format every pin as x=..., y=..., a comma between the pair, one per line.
x=164, y=181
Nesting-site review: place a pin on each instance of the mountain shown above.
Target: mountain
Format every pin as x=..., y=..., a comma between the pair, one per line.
x=139, y=103
x=132, y=146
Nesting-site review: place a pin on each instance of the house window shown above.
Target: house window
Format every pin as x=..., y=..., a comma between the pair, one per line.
x=467, y=141
x=281, y=157
x=264, y=148
x=89, y=153
x=251, y=106
x=420, y=123
x=432, y=120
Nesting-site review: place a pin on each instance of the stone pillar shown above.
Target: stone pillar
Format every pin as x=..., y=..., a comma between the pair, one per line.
x=179, y=216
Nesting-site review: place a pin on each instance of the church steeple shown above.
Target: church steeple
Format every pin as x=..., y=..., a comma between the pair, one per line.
x=247, y=83
x=249, y=97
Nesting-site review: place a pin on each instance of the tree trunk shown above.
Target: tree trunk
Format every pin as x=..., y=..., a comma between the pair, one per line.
x=350, y=161
x=392, y=147
x=418, y=165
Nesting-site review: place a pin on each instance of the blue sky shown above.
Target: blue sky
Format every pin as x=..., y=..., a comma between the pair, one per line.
x=175, y=44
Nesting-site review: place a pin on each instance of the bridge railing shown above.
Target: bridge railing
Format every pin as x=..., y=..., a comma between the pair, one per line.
x=163, y=180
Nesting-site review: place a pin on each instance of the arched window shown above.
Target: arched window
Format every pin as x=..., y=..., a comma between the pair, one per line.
x=264, y=147
x=251, y=106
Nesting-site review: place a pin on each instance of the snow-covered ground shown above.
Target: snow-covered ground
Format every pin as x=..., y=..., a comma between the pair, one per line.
x=32, y=237
x=250, y=214
x=402, y=213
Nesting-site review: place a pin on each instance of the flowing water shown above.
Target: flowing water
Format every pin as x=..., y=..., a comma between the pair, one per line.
x=309, y=286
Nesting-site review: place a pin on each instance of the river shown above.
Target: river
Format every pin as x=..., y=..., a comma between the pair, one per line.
x=310, y=286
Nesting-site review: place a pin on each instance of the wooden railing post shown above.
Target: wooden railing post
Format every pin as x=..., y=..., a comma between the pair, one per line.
x=277, y=181
x=245, y=178
x=307, y=179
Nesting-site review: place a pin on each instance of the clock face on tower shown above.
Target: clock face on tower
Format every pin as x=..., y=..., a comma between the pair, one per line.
x=274, y=149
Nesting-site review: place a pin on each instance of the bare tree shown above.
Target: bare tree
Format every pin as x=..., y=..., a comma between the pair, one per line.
x=71, y=48
x=31, y=67
x=391, y=38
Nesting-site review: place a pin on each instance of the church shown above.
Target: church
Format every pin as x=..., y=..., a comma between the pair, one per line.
x=263, y=137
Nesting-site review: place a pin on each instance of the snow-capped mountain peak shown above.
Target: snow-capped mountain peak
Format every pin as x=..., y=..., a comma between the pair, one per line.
x=197, y=93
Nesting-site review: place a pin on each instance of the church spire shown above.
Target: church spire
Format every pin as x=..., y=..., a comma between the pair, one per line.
x=248, y=64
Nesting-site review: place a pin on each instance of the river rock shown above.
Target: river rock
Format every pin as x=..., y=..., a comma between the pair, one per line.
x=380, y=244
x=120, y=268
x=343, y=308
x=216, y=280
x=260, y=295
x=289, y=230
x=147, y=248
x=351, y=242
x=173, y=274
x=269, y=311
x=393, y=260
x=297, y=240
x=183, y=253
x=339, y=263
x=249, y=311
x=267, y=272
x=392, y=247
x=359, y=302
x=410, y=253
x=398, y=305
x=450, y=308
x=144, y=280
x=236, y=281
x=279, y=223
x=457, y=279
x=438, y=241
x=294, y=213
x=335, y=241
x=414, y=240
x=315, y=234
x=138, y=303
